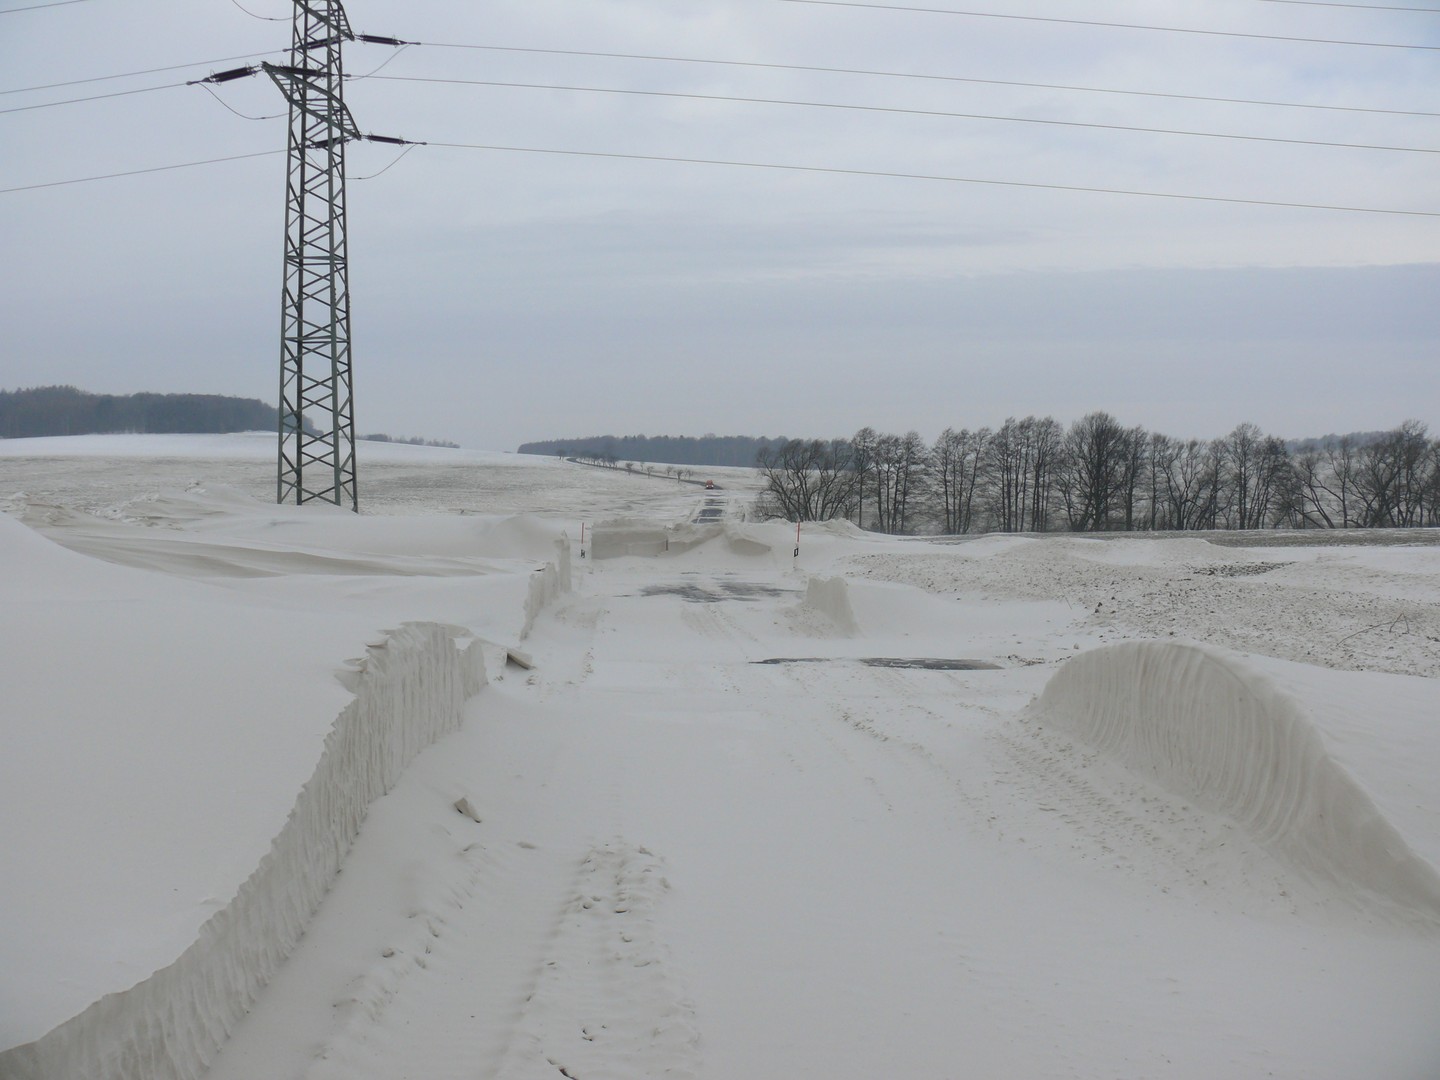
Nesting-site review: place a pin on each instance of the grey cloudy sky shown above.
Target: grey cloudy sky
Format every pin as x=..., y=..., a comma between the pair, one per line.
x=503, y=296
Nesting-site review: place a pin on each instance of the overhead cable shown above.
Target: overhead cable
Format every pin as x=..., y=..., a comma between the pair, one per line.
x=1357, y=7
x=819, y=169
x=37, y=7
x=924, y=77
x=1115, y=25
x=941, y=179
x=914, y=112
x=226, y=105
x=262, y=18
x=92, y=97
x=146, y=71
x=139, y=172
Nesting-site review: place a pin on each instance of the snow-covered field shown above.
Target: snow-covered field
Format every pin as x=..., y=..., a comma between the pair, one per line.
x=425, y=793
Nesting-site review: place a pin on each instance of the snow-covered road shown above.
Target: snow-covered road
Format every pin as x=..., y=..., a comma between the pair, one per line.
x=690, y=863
x=737, y=815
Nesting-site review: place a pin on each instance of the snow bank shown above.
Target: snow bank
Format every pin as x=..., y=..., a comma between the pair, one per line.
x=827, y=599
x=546, y=584
x=410, y=691
x=616, y=539
x=1208, y=728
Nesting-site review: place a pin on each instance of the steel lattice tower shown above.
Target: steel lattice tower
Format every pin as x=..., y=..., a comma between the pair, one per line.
x=317, y=420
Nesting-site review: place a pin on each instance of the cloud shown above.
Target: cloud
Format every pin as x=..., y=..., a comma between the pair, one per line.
x=502, y=295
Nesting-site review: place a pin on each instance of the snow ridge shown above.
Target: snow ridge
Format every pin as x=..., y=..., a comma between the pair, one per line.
x=825, y=611
x=410, y=691
x=1206, y=727
x=546, y=584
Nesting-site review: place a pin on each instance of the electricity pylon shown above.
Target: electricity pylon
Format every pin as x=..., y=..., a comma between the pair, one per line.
x=317, y=418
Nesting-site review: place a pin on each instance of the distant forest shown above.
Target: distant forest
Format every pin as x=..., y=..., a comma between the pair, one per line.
x=738, y=450
x=64, y=410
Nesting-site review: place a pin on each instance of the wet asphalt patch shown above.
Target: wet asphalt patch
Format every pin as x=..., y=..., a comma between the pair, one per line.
x=716, y=592
x=919, y=663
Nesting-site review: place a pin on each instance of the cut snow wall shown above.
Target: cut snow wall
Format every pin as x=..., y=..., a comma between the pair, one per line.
x=546, y=585
x=409, y=693
x=1206, y=727
x=830, y=597
x=614, y=540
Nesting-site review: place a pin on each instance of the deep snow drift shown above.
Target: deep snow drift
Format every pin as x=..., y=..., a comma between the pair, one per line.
x=890, y=808
x=1209, y=729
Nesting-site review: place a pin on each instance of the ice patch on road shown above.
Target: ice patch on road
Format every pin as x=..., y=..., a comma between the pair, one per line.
x=1206, y=727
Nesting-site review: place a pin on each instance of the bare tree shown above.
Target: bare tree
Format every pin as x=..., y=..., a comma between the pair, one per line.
x=1007, y=472
x=901, y=462
x=862, y=461
x=1390, y=480
x=808, y=480
x=1341, y=455
x=1430, y=488
x=1159, y=459
x=956, y=463
x=1135, y=443
x=1046, y=446
x=1094, y=445
x=1255, y=468
x=1314, y=497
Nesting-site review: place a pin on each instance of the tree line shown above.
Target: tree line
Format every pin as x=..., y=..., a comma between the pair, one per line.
x=416, y=440
x=64, y=410
x=1098, y=475
x=733, y=450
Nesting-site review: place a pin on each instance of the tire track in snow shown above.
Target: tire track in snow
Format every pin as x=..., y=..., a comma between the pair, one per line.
x=1026, y=785
x=1062, y=800
x=446, y=986
x=839, y=712
x=604, y=1003
x=534, y=966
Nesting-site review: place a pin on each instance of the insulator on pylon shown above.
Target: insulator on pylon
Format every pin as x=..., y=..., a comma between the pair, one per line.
x=226, y=76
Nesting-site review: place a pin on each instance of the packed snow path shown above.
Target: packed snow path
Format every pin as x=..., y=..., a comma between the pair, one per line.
x=690, y=863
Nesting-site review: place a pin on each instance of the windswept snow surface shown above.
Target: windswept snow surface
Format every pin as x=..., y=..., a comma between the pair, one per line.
x=1206, y=727
x=1052, y=807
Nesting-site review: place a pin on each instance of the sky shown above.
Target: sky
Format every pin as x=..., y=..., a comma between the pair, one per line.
x=548, y=290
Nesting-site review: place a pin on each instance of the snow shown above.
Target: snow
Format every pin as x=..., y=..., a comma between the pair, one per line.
x=1206, y=727
x=1151, y=807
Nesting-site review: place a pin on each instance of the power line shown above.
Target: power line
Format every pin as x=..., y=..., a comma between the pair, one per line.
x=913, y=112
x=37, y=7
x=926, y=77
x=262, y=18
x=388, y=60
x=147, y=71
x=940, y=179
x=392, y=164
x=225, y=104
x=92, y=97
x=873, y=72
x=1357, y=7
x=139, y=172
x=1114, y=25
x=830, y=170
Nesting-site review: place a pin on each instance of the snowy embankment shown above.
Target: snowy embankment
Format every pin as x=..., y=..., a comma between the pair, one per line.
x=410, y=692
x=1209, y=728
x=162, y=715
x=546, y=585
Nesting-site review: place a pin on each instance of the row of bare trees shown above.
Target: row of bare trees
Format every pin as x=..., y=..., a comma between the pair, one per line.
x=1034, y=475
